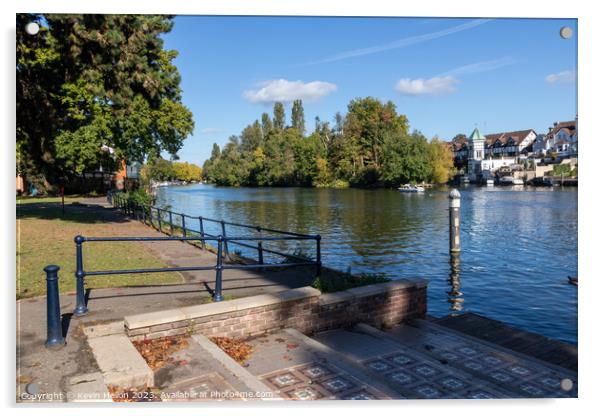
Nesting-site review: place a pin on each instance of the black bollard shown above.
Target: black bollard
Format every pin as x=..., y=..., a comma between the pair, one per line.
x=54, y=337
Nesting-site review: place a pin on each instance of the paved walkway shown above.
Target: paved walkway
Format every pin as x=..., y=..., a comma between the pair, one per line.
x=50, y=369
x=420, y=360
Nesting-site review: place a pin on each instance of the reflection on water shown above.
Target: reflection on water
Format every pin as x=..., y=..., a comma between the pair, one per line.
x=518, y=243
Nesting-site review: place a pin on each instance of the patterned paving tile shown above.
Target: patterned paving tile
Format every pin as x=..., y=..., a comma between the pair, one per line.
x=402, y=377
x=338, y=384
x=400, y=360
x=315, y=371
x=379, y=365
x=362, y=394
x=425, y=371
x=283, y=379
x=427, y=391
x=524, y=377
x=317, y=381
x=452, y=383
x=304, y=393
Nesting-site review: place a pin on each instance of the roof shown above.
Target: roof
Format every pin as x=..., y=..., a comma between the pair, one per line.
x=569, y=126
x=518, y=137
x=476, y=135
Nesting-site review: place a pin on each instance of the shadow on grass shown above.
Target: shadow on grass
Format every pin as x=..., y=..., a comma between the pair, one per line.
x=73, y=212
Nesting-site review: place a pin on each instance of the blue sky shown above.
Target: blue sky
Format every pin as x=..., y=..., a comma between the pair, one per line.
x=446, y=75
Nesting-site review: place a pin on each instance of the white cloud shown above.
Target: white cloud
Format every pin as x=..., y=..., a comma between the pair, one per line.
x=421, y=86
x=285, y=91
x=562, y=77
x=210, y=130
x=400, y=43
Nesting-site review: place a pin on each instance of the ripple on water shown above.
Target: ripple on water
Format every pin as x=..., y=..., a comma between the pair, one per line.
x=518, y=246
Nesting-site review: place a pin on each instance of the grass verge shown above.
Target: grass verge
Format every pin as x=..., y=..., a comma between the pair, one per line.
x=45, y=236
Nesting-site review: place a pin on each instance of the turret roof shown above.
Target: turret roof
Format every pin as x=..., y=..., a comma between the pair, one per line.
x=476, y=135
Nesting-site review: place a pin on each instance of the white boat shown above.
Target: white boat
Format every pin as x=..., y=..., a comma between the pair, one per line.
x=410, y=188
x=509, y=180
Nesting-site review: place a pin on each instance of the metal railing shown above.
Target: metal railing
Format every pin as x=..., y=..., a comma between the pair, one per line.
x=144, y=213
x=164, y=220
x=81, y=307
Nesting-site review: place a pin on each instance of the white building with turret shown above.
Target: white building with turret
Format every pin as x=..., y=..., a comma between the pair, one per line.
x=481, y=165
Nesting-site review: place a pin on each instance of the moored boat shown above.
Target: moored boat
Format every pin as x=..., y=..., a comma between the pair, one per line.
x=410, y=188
x=510, y=180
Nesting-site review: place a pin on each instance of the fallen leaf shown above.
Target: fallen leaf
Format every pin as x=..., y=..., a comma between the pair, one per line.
x=238, y=350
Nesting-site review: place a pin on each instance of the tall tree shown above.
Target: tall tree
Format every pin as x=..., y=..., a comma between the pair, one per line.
x=297, y=117
x=88, y=81
x=266, y=125
x=279, y=116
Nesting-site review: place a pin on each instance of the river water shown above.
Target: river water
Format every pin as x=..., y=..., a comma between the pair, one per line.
x=519, y=244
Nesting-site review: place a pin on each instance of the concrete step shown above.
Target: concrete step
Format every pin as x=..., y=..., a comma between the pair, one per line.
x=521, y=375
x=299, y=368
x=409, y=372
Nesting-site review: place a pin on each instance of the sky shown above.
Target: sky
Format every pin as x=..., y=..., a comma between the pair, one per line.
x=447, y=76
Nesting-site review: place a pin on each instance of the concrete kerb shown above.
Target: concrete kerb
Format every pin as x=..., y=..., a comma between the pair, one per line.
x=120, y=363
x=248, y=379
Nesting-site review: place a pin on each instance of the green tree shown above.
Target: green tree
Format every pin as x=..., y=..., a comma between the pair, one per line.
x=279, y=116
x=298, y=117
x=266, y=125
x=368, y=121
x=405, y=159
x=85, y=81
x=251, y=137
x=161, y=170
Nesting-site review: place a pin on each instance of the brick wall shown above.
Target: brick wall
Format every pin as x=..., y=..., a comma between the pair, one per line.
x=305, y=309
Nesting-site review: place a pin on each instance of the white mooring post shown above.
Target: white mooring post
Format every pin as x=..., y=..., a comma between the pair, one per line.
x=454, y=221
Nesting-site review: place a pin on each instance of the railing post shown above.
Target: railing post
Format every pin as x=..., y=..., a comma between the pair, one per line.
x=150, y=216
x=202, y=232
x=226, y=251
x=318, y=256
x=183, y=225
x=217, y=293
x=54, y=335
x=159, y=219
x=80, y=296
x=170, y=223
x=259, y=248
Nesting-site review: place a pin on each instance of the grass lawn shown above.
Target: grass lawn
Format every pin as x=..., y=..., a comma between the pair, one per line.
x=45, y=236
